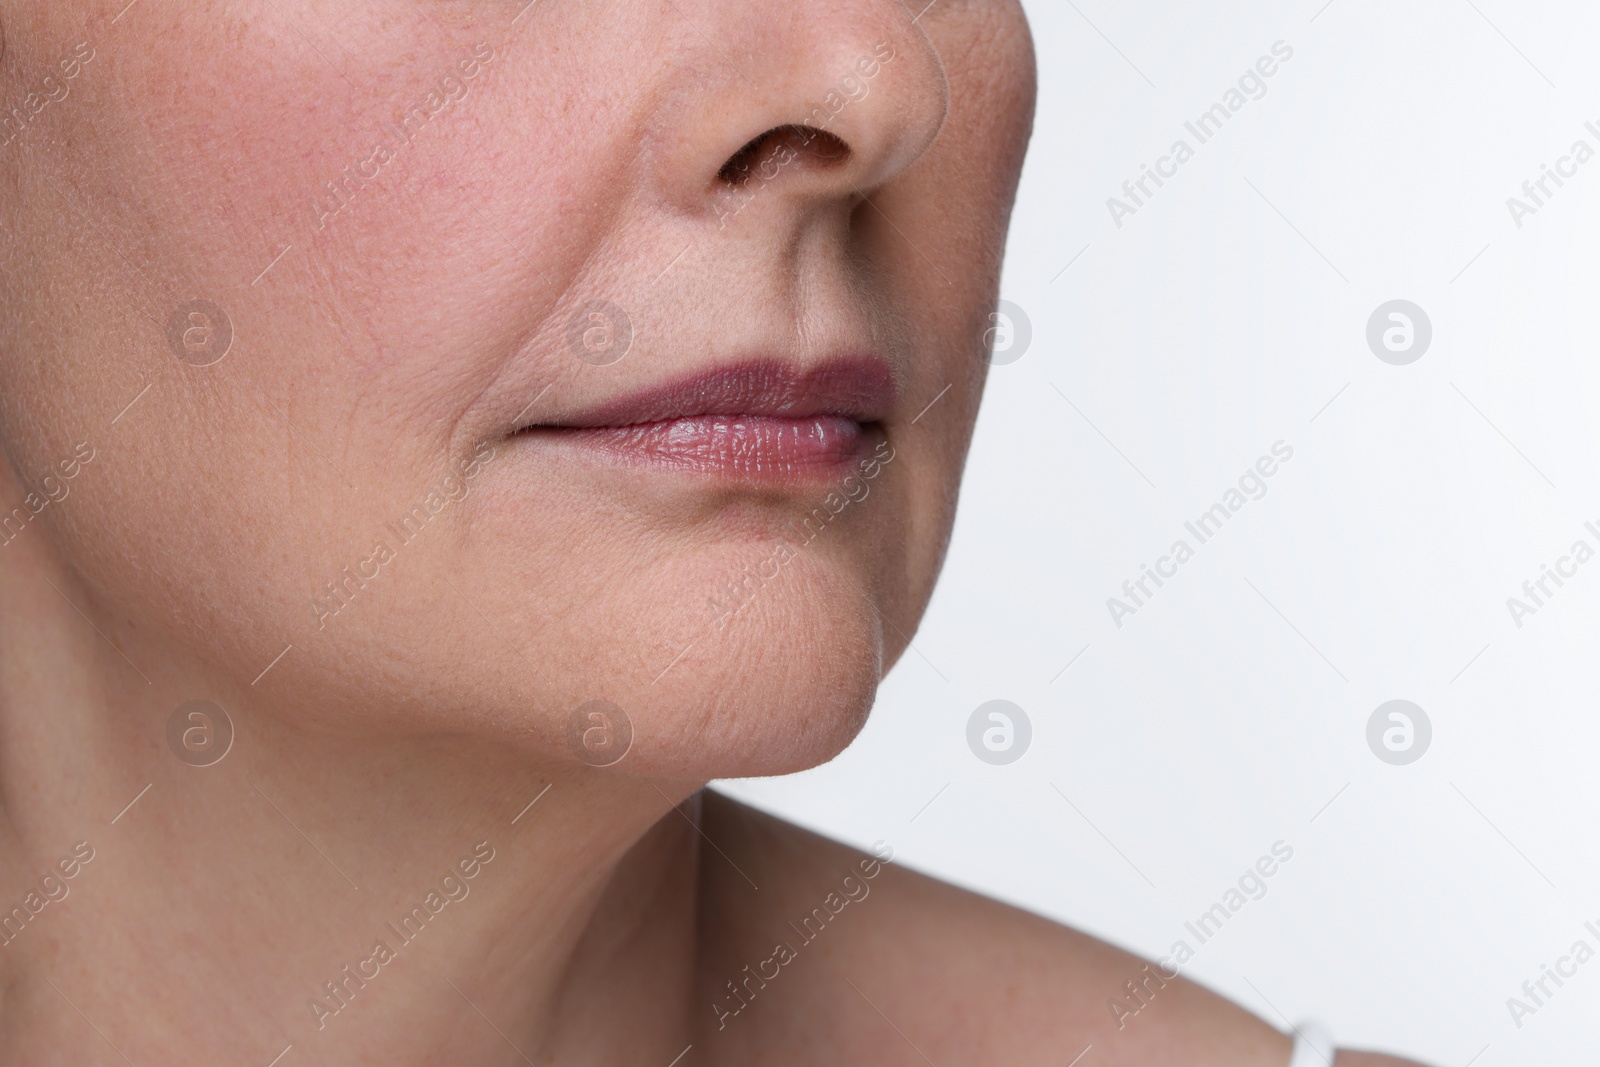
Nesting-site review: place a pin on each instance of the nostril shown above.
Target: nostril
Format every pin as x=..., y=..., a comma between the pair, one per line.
x=782, y=146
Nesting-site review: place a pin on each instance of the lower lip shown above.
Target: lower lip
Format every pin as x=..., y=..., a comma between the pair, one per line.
x=756, y=446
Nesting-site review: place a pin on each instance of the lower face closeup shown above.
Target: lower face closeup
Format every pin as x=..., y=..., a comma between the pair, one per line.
x=479, y=360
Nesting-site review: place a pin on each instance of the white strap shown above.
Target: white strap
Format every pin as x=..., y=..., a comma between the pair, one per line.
x=1312, y=1047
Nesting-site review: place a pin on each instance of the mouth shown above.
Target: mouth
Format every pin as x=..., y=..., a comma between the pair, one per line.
x=760, y=420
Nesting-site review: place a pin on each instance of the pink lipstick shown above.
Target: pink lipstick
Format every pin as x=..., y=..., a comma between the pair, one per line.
x=756, y=420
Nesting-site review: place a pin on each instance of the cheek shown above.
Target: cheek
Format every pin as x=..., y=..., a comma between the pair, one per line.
x=245, y=487
x=258, y=185
x=401, y=215
x=266, y=143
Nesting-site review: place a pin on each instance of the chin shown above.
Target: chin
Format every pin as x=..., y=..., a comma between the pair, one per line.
x=784, y=685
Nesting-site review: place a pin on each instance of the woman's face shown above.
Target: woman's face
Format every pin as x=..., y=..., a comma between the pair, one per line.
x=437, y=244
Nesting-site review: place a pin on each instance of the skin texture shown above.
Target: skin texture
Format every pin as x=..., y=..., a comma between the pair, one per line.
x=385, y=338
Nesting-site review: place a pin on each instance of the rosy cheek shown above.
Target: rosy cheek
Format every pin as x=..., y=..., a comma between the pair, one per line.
x=327, y=179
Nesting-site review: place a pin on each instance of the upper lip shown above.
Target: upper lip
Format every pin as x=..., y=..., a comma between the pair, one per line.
x=856, y=387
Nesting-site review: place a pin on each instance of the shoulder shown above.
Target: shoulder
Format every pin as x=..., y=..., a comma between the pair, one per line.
x=813, y=952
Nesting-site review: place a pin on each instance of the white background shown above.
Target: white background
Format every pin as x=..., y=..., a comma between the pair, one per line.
x=1222, y=317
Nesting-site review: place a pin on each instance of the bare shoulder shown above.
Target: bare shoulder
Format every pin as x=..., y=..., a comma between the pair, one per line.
x=812, y=952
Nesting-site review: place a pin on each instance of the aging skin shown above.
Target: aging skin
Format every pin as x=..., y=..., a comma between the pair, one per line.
x=408, y=212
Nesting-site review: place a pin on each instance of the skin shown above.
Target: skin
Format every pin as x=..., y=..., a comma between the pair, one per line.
x=379, y=343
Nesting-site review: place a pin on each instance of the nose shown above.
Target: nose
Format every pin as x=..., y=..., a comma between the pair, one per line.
x=801, y=101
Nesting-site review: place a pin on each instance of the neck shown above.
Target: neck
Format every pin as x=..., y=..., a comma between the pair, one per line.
x=361, y=899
